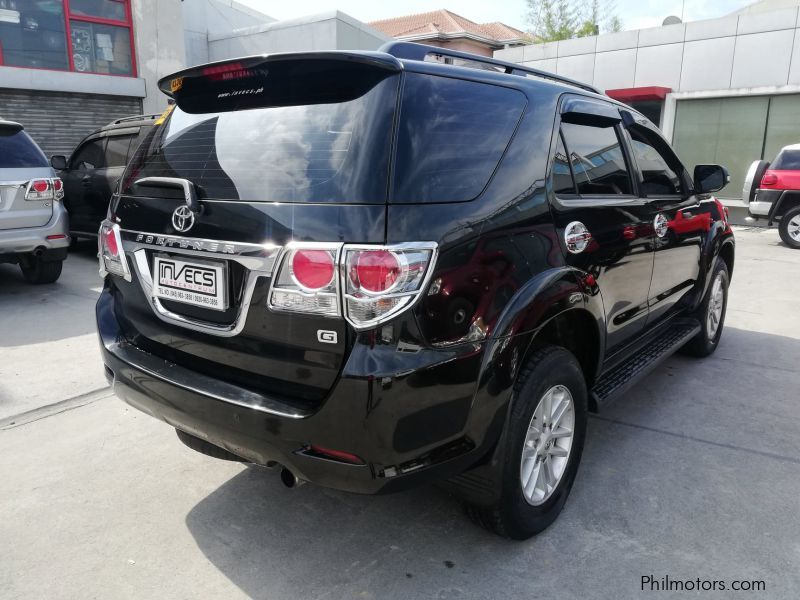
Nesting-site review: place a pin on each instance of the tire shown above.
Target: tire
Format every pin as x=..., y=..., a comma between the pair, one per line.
x=789, y=228
x=207, y=448
x=37, y=271
x=706, y=342
x=515, y=516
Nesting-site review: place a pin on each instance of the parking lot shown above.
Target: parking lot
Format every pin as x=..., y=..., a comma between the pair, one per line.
x=99, y=501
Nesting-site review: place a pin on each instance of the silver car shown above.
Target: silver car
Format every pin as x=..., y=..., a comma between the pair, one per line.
x=34, y=227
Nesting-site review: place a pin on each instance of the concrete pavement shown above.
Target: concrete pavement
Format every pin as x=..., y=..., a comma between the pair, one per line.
x=695, y=473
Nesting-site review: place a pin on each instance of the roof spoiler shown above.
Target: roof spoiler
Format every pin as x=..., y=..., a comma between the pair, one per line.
x=11, y=126
x=278, y=80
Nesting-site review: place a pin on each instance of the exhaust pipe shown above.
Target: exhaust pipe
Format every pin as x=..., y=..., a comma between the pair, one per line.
x=289, y=479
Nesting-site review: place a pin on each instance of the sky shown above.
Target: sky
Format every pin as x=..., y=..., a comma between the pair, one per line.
x=635, y=14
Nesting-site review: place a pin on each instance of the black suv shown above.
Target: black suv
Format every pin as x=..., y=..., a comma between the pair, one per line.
x=94, y=169
x=378, y=269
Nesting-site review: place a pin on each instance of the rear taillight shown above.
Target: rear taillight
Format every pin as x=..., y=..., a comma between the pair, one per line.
x=306, y=280
x=111, y=255
x=366, y=284
x=44, y=189
x=381, y=282
x=769, y=180
x=58, y=188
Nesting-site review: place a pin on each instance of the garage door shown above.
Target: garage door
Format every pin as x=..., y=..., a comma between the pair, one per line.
x=58, y=121
x=734, y=132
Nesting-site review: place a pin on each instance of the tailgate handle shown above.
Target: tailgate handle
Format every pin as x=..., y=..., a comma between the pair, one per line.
x=189, y=191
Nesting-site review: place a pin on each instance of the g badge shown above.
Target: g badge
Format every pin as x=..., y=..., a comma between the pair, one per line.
x=327, y=337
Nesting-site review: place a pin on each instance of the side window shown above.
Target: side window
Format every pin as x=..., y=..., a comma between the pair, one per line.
x=117, y=150
x=597, y=160
x=89, y=156
x=451, y=137
x=563, y=184
x=658, y=164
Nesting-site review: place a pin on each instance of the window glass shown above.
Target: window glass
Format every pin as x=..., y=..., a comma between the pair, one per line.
x=452, y=134
x=563, y=184
x=17, y=150
x=117, y=150
x=787, y=160
x=89, y=156
x=105, y=9
x=326, y=152
x=597, y=159
x=33, y=34
x=101, y=48
x=657, y=176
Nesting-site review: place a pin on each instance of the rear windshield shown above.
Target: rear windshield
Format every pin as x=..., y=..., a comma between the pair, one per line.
x=451, y=136
x=330, y=152
x=787, y=160
x=18, y=150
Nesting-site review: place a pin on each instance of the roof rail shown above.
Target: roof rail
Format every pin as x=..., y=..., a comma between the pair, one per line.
x=412, y=51
x=132, y=118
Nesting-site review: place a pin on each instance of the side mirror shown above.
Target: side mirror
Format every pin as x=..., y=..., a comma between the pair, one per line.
x=710, y=178
x=58, y=162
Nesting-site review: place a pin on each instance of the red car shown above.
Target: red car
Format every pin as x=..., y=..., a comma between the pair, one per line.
x=773, y=192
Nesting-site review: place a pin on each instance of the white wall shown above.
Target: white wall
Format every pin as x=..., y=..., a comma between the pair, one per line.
x=159, y=46
x=204, y=18
x=328, y=31
x=739, y=51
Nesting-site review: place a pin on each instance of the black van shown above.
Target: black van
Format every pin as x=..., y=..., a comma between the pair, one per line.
x=94, y=169
x=379, y=269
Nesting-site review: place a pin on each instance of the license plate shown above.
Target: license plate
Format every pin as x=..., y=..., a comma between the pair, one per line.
x=200, y=283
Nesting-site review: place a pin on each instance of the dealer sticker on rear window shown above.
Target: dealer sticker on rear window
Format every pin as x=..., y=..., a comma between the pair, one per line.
x=200, y=283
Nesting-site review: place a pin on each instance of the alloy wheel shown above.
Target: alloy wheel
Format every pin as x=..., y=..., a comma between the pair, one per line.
x=716, y=303
x=794, y=228
x=548, y=442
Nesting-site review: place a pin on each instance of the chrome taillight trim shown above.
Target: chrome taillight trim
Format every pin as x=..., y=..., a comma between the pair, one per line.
x=122, y=256
x=415, y=295
x=283, y=257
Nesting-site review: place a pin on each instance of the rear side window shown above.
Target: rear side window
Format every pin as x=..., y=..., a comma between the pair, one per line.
x=452, y=136
x=597, y=160
x=787, y=160
x=117, y=149
x=90, y=155
x=18, y=151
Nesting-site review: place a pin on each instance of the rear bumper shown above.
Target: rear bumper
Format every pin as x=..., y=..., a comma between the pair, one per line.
x=22, y=241
x=385, y=426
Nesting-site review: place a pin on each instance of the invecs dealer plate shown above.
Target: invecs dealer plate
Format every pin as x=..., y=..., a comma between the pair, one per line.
x=200, y=283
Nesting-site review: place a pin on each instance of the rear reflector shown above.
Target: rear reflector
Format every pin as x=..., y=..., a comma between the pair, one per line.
x=336, y=455
x=60, y=236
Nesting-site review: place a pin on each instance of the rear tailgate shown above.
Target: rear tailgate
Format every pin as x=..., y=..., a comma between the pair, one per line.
x=274, y=151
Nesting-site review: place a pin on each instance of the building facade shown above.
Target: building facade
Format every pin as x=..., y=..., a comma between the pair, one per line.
x=68, y=67
x=723, y=91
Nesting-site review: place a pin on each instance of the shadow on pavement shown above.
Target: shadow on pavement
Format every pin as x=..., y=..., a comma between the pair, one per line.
x=312, y=542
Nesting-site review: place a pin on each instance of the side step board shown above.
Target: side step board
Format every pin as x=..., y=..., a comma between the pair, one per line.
x=620, y=378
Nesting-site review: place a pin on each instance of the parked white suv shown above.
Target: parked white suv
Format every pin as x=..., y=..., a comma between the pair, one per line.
x=34, y=227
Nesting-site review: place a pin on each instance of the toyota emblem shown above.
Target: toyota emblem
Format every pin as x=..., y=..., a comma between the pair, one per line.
x=183, y=219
